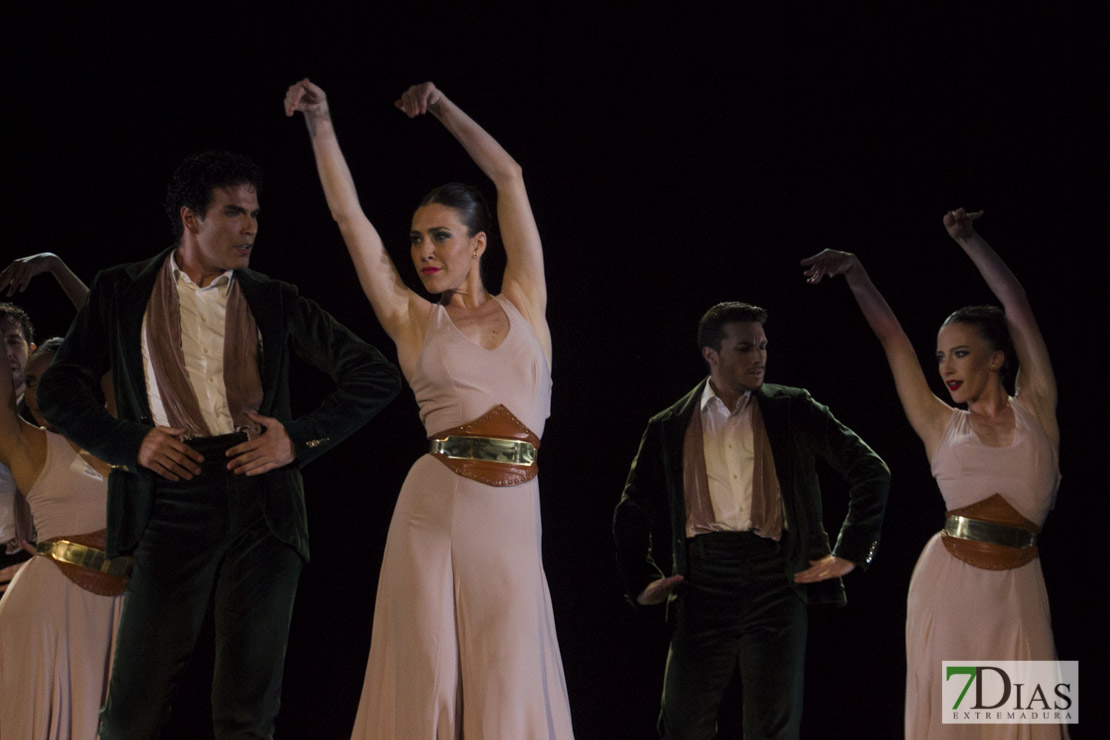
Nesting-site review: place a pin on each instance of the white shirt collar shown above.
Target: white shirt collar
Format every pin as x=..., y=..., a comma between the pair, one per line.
x=708, y=395
x=221, y=283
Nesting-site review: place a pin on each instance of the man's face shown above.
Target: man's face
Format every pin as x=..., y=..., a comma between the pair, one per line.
x=16, y=347
x=225, y=236
x=739, y=365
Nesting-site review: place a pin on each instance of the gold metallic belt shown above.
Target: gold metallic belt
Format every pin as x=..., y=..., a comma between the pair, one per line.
x=65, y=551
x=977, y=530
x=488, y=449
x=497, y=449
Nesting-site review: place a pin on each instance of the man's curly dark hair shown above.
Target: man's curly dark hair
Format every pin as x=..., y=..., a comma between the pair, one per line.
x=16, y=315
x=194, y=180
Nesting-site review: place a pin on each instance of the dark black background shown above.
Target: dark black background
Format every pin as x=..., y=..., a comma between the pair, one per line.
x=675, y=157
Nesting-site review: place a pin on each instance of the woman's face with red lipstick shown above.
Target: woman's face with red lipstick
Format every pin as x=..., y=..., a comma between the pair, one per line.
x=966, y=362
x=443, y=250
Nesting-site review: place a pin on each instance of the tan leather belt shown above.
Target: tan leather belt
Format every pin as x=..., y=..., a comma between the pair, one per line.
x=87, y=565
x=496, y=449
x=990, y=534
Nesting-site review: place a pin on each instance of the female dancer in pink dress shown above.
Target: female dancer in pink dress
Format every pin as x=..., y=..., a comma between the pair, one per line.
x=463, y=642
x=977, y=592
x=58, y=619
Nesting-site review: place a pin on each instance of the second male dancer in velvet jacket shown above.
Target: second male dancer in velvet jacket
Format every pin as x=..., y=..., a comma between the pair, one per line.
x=731, y=468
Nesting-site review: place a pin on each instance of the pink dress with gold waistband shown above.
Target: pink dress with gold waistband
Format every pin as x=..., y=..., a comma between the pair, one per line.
x=956, y=611
x=56, y=639
x=463, y=641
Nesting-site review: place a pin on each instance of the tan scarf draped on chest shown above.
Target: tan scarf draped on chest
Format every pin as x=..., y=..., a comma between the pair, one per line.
x=242, y=380
x=766, y=497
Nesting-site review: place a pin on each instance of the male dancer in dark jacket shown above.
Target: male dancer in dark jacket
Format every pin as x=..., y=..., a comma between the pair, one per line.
x=218, y=514
x=731, y=468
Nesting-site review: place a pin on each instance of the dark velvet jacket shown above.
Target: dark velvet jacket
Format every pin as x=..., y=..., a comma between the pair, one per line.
x=799, y=430
x=106, y=335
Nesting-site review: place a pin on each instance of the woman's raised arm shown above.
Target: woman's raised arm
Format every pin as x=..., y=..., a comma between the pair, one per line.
x=524, y=283
x=17, y=276
x=927, y=414
x=1035, y=382
x=400, y=311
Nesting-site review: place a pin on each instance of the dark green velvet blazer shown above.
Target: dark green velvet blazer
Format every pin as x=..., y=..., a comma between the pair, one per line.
x=799, y=430
x=106, y=335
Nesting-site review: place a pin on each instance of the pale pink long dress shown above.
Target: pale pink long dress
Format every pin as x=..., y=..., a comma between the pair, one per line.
x=463, y=642
x=956, y=611
x=56, y=639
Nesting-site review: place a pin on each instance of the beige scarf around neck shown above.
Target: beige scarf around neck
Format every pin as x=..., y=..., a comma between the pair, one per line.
x=242, y=380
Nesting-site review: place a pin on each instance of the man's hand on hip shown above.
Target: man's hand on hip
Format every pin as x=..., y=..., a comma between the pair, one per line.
x=166, y=454
x=272, y=449
x=827, y=567
x=658, y=591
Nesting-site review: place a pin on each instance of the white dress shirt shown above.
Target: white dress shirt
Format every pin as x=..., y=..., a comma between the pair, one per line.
x=203, y=316
x=729, y=448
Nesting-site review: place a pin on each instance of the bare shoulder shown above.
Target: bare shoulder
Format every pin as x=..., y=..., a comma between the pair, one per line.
x=409, y=335
x=26, y=455
x=932, y=424
x=1043, y=411
x=536, y=318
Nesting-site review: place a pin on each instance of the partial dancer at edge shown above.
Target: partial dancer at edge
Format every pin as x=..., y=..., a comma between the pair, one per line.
x=463, y=639
x=974, y=596
x=17, y=335
x=58, y=620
